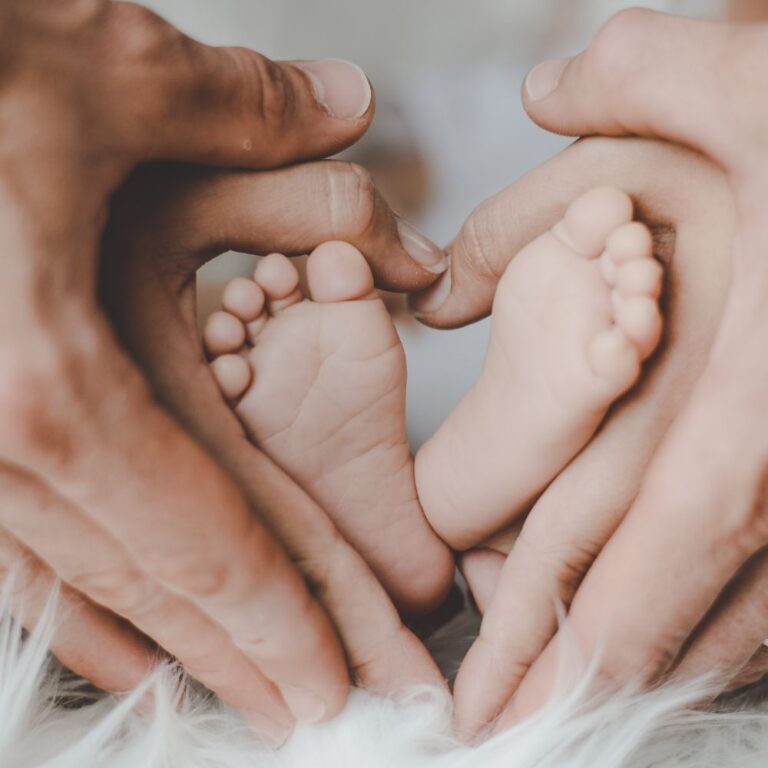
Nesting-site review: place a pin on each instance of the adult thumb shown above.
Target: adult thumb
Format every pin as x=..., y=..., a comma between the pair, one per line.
x=644, y=73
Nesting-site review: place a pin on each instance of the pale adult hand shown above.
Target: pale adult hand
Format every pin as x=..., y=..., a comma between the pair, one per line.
x=654, y=599
x=100, y=485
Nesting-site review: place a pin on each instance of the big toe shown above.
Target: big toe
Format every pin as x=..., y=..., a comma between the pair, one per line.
x=591, y=218
x=337, y=271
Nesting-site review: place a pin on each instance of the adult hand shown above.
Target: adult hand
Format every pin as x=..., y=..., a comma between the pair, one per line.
x=100, y=485
x=699, y=520
x=166, y=222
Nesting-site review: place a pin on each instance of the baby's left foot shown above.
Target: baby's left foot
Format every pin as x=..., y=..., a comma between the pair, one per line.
x=319, y=385
x=574, y=316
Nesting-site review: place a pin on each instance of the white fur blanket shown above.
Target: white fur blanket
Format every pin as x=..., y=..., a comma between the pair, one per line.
x=40, y=728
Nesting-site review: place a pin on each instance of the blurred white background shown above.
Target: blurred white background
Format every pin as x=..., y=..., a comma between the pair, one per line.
x=449, y=129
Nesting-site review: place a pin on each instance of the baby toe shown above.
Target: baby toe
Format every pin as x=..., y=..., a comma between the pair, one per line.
x=233, y=375
x=608, y=269
x=244, y=299
x=614, y=358
x=337, y=271
x=641, y=277
x=640, y=320
x=278, y=277
x=223, y=334
x=628, y=242
x=591, y=219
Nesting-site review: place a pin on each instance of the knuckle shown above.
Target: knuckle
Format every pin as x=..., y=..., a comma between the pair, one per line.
x=202, y=576
x=127, y=593
x=141, y=36
x=745, y=518
x=391, y=641
x=561, y=561
x=612, y=56
x=478, y=242
x=637, y=665
x=352, y=198
x=325, y=563
x=501, y=642
x=275, y=103
x=626, y=22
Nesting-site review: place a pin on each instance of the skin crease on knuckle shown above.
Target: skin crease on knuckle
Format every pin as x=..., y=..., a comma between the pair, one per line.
x=276, y=105
x=127, y=593
x=476, y=244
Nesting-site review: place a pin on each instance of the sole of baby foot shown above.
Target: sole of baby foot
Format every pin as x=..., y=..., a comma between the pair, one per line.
x=575, y=315
x=319, y=384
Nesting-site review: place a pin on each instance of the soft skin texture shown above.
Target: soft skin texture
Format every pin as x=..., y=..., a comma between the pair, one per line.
x=574, y=316
x=319, y=385
x=656, y=75
x=102, y=486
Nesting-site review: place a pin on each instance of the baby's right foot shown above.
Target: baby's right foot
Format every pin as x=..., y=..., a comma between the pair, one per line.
x=319, y=385
x=575, y=314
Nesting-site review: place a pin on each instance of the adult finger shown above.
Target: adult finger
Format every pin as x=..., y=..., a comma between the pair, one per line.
x=292, y=210
x=382, y=653
x=725, y=642
x=754, y=672
x=87, y=639
x=104, y=444
x=58, y=532
x=580, y=510
x=482, y=569
x=182, y=100
x=705, y=491
x=653, y=74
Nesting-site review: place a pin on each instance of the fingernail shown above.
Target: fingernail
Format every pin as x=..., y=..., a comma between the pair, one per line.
x=340, y=87
x=421, y=249
x=429, y=301
x=269, y=733
x=544, y=78
x=304, y=705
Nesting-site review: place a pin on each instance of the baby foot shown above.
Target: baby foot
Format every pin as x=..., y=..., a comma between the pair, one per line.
x=575, y=314
x=319, y=386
